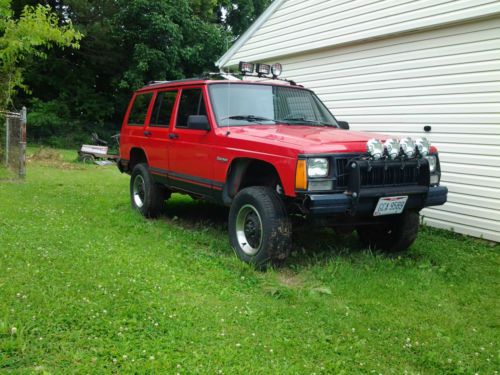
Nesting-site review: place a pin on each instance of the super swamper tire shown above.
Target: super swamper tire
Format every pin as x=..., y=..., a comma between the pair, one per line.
x=260, y=231
x=394, y=236
x=146, y=196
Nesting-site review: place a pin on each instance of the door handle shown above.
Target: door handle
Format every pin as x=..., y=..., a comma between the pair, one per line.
x=173, y=136
x=147, y=133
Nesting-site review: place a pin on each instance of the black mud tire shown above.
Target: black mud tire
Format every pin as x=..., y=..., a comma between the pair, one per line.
x=265, y=205
x=395, y=235
x=149, y=198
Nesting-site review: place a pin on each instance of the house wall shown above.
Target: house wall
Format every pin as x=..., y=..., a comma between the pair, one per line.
x=296, y=26
x=447, y=78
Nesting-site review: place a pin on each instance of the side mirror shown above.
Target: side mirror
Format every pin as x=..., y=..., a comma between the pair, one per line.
x=343, y=125
x=198, y=123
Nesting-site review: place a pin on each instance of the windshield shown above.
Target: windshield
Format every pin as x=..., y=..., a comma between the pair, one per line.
x=245, y=104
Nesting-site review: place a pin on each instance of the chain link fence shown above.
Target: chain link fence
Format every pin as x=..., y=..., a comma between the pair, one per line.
x=12, y=145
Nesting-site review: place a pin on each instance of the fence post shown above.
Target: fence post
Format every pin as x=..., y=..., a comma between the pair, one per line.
x=7, y=140
x=22, y=144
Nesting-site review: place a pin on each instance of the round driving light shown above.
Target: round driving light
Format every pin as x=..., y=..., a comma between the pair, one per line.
x=392, y=147
x=423, y=146
x=408, y=147
x=375, y=148
x=276, y=69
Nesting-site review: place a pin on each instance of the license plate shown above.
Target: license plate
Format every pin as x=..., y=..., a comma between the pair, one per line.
x=390, y=205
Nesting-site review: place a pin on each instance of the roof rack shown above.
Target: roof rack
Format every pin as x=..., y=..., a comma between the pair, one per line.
x=221, y=76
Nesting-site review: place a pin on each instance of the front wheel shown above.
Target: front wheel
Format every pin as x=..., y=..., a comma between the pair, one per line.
x=394, y=235
x=259, y=228
x=146, y=196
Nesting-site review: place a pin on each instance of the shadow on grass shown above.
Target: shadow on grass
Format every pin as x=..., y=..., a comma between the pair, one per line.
x=311, y=244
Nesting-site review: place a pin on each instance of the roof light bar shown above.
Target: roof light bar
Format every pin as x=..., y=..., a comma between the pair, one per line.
x=246, y=68
x=276, y=69
x=263, y=69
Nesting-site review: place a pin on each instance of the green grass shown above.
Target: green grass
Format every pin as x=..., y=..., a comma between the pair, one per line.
x=89, y=286
x=5, y=173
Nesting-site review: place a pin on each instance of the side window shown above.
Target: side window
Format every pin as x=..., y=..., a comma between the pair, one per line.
x=191, y=103
x=139, y=109
x=162, y=110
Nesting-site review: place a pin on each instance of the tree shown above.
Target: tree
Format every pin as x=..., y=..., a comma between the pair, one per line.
x=240, y=14
x=37, y=28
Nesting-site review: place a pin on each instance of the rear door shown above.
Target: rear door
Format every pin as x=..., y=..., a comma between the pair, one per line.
x=157, y=130
x=190, y=150
x=133, y=130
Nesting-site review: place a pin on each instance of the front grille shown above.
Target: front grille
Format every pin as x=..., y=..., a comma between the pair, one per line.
x=378, y=175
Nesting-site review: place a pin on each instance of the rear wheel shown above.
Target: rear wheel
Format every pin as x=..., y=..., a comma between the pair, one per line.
x=259, y=227
x=146, y=196
x=87, y=158
x=394, y=235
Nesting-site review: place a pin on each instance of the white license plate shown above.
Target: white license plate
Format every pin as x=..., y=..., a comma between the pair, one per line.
x=390, y=205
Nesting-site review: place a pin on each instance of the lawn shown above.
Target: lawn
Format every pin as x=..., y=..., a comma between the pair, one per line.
x=89, y=286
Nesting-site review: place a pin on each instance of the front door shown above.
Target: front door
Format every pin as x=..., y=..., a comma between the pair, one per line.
x=190, y=150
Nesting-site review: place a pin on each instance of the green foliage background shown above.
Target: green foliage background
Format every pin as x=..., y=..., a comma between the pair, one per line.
x=125, y=44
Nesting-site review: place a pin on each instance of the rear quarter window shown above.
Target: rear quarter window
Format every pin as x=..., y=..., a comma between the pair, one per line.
x=139, y=110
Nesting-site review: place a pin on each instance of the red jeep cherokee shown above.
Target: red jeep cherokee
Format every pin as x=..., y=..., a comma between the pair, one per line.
x=271, y=149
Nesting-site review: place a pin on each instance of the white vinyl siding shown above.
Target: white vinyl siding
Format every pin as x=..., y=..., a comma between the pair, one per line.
x=298, y=26
x=447, y=78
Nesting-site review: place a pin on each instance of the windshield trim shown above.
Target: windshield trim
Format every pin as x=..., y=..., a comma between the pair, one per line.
x=277, y=122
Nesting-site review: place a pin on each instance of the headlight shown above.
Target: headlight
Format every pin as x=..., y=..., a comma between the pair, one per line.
x=392, y=146
x=423, y=146
x=317, y=167
x=375, y=148
x=408, y=146
x=432, y=163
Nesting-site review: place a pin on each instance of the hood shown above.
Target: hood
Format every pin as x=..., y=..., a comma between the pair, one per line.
x=306, y=139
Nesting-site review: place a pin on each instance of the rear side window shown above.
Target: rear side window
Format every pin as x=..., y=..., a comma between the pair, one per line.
x=162, y=110
x=191, y=103
x=139, y=109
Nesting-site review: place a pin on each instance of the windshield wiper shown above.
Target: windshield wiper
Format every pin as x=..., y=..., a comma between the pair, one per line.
x=312, y=122
x=249, y=118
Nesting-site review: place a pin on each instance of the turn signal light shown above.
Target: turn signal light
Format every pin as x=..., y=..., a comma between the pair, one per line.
x=301, y=175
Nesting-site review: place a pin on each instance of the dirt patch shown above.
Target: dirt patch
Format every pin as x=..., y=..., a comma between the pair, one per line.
x=46, y=154
x=52, y=158
x=290, y=279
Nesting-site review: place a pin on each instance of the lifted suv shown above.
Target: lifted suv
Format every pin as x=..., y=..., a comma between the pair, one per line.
x=271, y=150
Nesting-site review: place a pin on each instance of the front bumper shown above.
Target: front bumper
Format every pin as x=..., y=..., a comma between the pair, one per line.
x=366, y=200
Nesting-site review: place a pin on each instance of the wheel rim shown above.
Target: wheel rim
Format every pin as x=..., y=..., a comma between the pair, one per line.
x=249, y=229
x=138, y=191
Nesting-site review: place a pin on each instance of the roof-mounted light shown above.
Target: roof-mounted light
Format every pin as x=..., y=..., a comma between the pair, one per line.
x=263, y=69
x=246, y=68
x=276, y=69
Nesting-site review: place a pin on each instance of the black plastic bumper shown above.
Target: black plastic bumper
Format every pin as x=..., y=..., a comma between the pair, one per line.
x=364, y=204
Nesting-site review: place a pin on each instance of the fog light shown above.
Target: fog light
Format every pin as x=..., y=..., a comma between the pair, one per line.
x=375, y=148
x=320, y=185
x=423, y=146
x=408, y=147
x=434, y=179
x=392, y=147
